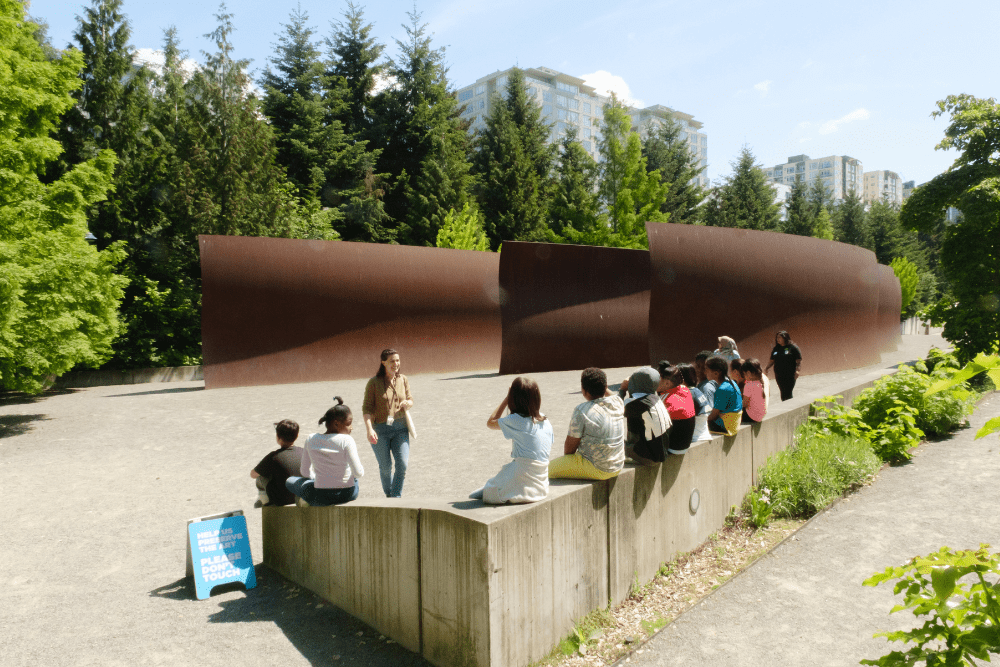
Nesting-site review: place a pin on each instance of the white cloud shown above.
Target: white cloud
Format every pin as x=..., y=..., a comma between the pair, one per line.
x=153, y=59
x=833, y=125
x=607, y=83
x=763, y=87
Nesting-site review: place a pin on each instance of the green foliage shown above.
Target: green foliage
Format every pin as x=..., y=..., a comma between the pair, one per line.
x=850, y=221
x=631, y=195
x=462, y=230
x=58, y=295
x=889, y=406
x=745, y=199
x=906, y=271
x=970, y=249
x=988, y=364
x=818, y=469
x=513, y=162
x=800, y=213
x=354, y=58
x=829, y=416
x=426, y=145
x=823, y=229
x=667, y=151
x=757, y=506
x=573, y=210
x=962, y=618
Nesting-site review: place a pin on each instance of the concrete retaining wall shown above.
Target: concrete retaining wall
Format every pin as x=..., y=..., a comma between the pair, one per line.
x=466, y=584
x=81, y=379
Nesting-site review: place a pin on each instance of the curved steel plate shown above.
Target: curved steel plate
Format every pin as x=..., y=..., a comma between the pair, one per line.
x=712, y=281
x=281, y=310
x=566, y=307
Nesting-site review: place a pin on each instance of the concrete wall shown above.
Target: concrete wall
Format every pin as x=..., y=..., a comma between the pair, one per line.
x=466, y=584
x=136, y=376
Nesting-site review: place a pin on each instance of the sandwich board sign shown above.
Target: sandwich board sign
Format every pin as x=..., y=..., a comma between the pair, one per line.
x=219, y=551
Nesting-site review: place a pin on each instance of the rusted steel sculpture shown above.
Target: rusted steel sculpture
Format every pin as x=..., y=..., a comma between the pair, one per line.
x=712, y=281
x=279, y=310
x=566, y=307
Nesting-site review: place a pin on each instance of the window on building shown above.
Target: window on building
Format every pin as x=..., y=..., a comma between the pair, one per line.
x=574, y=103
x=546, y=109
x=560, y=100
x=546, y=95
x=501, y=82
x=704, y=141
x=585, y=132
x=481, y=104
x=465, y=95
x=532, y=91
x=561, y=114
x=567, y=87
x=573, y=116
x=480, y=89
x=586, y=107
x=586, y=146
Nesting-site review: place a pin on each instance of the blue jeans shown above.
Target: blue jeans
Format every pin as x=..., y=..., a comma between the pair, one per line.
x=305, y=489
x=394, y=442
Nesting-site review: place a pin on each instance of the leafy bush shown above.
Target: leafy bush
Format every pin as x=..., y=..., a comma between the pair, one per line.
x=963, y=620
x=829, y=416
x=818, y=469
x=757, y=506
x=938, y=414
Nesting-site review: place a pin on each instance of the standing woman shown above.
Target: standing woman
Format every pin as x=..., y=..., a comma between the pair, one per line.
x=387, y=396
x=787, y=361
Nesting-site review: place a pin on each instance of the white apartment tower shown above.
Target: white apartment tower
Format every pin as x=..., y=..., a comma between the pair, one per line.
x=567, y=101
x=884, y=184
x=839, y=173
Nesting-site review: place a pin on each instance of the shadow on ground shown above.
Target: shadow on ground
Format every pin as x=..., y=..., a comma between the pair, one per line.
x=322, y=633
x=17, y=398
x=11, y=425
x=155, y=392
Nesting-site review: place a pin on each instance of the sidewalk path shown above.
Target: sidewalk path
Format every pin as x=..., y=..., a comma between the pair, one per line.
x=803, y=604
x=98, y=484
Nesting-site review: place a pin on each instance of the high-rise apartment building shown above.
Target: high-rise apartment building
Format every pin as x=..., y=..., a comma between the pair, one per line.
x=839, y=173
x=567, y=101
x=884, y=184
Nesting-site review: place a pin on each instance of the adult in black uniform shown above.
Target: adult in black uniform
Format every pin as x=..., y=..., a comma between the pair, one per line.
x=787, y=360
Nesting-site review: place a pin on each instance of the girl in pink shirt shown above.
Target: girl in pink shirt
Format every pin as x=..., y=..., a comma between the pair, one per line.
x=754, y=398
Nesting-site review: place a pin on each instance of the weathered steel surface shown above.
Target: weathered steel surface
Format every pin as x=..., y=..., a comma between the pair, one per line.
x=712, y=281
x=890, y=303
x=566, y=307
x=279, y=310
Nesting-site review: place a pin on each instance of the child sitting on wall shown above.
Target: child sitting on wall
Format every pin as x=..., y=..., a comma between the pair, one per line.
x=278, y=466
x=330, y=466
x=754, y=392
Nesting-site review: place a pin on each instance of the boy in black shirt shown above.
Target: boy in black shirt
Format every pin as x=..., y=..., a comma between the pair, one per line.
x=279, y=465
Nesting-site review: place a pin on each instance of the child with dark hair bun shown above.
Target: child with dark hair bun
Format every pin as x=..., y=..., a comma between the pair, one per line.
x=330, y=466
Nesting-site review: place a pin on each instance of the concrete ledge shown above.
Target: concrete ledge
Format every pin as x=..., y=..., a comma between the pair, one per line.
x=81, y=379
x=467, y=584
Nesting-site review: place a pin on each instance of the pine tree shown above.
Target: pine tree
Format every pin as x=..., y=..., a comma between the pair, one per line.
x=630, y=194
x=667, y=152
x=574, y=206
x=354, y=57
x=462, y=230
x=426, y=142
x=513, y=162
x=850, y=221
x=745, y=199
x=819, y=197
x=58, y=294
x=293, y=103
x=800, y=215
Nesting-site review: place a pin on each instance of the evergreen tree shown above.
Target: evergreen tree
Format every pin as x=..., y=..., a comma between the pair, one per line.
x=463, y=230
x=630, y=194
x=426, y=142
x=819, y=197
x=886, y=237
x=667, y=151
x=293, y=103
x=823, y=229
x=800, y=215
x=58, y=295
x=745, y=199
x=574, y=205
x=513, y=162
x=355, y=58
x=850, y=221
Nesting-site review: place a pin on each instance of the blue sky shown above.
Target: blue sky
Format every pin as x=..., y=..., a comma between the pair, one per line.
x=821, y=78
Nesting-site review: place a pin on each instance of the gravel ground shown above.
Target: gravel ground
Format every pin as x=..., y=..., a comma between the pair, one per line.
x=94, y=562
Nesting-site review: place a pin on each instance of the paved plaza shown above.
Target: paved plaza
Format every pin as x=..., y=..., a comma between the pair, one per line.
x=100, y=483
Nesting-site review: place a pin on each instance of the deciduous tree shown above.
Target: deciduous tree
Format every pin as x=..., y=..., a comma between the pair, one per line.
x=58, y=295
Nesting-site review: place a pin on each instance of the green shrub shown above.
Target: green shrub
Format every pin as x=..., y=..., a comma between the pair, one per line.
x=818, y=469
x=937, y=414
